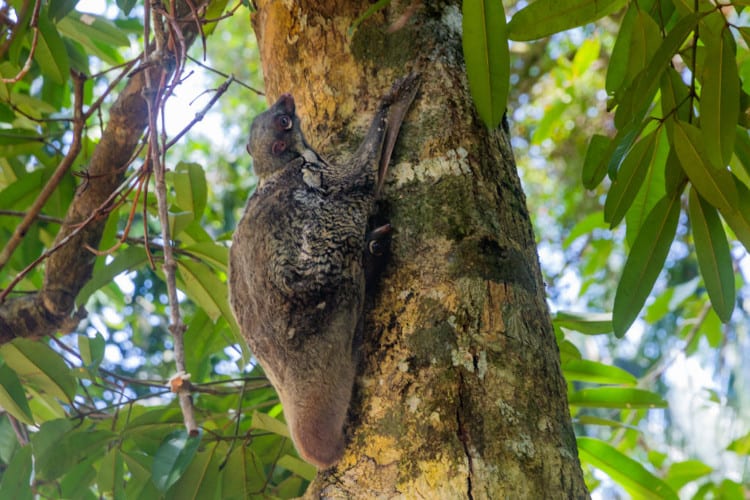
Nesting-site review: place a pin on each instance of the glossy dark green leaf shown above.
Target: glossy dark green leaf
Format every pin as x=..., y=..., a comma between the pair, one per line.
x=545, y=17
x=599, y=373
x=616, y=397
x=588, y=323
x=595, y=162
x=630, y=178
x=713, y=184
x=625, y=471
x=16, y=479
x=12, y=396
x=485, y=46
x=720, y=98
x=38, y=365
x=172, y=458
x=644, y=263
x=714, y=258
x=50, y=52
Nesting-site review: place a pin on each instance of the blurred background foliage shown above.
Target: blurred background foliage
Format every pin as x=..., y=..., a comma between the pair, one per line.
x=662, y=412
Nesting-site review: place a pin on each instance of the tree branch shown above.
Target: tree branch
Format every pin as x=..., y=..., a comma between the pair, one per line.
x=67, y=271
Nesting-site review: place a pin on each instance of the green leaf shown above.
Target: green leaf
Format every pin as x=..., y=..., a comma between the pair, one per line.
x=200, y=283
x=38, y=365
x=714, y=258
x=720, y=98
x=674, y=99
x=190, y=188
x=625, y=471
x=111, y=472
x=588, y=323
x=60, y=448
x=91, y=349
x=739, y=218
x=645, y=262
x=630, y=178
x=618, y=66
x=200, y=480
x=50, y=52
x=595, y=162
x=644, y=35
x=616, y=397
x=652, y=190
x=97, y=28
x=637, y=97
x=266, y=422
x=592, y=420
x=211, y=253
x=485, y=46
x=12, y=395
x=16, y=483
x=60, y=8
x=681, y=473
x=243, y=474
x=128, y=259
x=713, y=184
x=98, y=35
x=741, y=445
x=172, y=458
x=299, y=467
x=546, y=17
x=598, y=373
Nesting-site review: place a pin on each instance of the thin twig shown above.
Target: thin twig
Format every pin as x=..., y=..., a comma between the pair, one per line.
x=202, y=113
x=57, y=176
x=214, y=70
x=176, y=327
x=32, y=50
x=41, y=217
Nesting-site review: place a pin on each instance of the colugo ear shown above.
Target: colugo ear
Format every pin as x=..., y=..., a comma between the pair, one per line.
x=278, y=147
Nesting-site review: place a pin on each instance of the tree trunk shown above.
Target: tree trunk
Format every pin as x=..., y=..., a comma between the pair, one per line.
x=461, y=394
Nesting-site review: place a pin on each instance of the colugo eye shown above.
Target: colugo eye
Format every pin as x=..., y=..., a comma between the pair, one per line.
x=285, y=122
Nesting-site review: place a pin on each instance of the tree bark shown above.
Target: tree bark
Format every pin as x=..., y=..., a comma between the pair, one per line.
x=461, y=393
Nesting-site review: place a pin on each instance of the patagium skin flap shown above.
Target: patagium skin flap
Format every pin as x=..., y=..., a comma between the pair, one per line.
x=296, y=271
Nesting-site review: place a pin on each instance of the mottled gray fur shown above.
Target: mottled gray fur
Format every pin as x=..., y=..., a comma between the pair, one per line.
x=297, y=282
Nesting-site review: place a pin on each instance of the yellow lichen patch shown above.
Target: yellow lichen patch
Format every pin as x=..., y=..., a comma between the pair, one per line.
x=437, y=479
x=382, y=449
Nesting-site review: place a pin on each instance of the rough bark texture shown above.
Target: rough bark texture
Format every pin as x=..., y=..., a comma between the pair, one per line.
x=461, y=394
